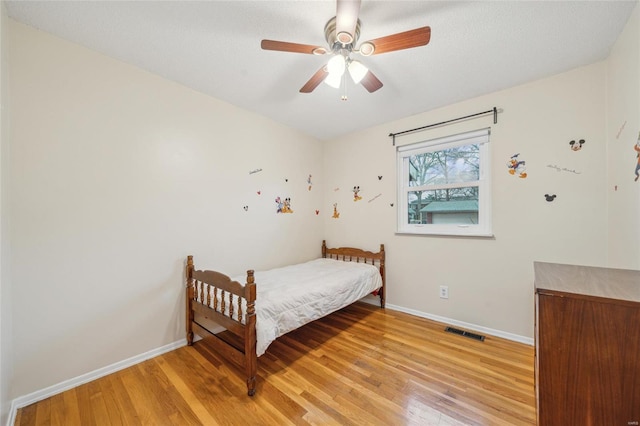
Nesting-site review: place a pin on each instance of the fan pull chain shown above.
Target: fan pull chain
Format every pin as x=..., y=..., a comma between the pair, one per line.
x=344, y=84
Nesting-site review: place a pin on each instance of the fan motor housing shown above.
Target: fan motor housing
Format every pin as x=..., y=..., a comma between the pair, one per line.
x=332, y=38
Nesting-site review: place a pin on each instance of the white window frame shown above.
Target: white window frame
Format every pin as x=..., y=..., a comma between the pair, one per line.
x=483, y=228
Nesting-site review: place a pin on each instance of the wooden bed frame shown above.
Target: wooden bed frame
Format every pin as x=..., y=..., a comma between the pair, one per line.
x=237, y=342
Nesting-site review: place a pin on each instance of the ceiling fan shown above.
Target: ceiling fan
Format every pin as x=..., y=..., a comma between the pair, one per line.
x=341, y=33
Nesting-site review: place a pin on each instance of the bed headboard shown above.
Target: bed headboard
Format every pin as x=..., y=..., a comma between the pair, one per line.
x=350, y=254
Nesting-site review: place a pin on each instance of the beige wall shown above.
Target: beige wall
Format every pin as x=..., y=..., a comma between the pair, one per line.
x=6, y=341
x=490, y=280
x=623, y=126
x=116, y=176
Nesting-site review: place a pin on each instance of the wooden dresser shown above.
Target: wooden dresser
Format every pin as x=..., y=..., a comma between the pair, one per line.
x=587, y=336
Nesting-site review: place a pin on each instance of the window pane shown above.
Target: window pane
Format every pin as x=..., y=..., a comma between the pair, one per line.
x=458, y=206
x=452, y=165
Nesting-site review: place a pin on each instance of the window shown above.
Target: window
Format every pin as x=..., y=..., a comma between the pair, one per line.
x=444, y=187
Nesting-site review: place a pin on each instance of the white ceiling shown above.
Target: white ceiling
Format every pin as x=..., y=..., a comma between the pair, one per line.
x=213, y=47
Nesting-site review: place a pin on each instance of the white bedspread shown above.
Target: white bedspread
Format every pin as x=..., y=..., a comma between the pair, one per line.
x=292, y=296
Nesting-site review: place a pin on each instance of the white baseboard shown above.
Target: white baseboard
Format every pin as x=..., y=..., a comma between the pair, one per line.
x=25, y=400
x=450, y=321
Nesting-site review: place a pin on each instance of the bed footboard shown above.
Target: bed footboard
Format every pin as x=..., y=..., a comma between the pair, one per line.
x=213, y=297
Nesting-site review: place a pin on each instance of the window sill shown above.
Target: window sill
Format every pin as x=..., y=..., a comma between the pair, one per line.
x=488, y=236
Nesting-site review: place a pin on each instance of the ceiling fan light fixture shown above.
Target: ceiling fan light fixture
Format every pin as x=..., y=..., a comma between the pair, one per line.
x=357, y=71
x=367, y=49
x=336, y=65
x=334, y=80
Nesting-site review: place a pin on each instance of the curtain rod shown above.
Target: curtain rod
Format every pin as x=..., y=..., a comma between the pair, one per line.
x=495, y=121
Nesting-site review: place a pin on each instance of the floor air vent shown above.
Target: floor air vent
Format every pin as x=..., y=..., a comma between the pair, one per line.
x=465, y=333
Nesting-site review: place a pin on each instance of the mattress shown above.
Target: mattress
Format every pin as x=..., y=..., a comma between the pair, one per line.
x=291, y=296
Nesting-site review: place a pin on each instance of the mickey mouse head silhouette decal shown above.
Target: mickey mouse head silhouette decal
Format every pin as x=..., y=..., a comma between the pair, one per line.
x=576, y=146
x=550, y=197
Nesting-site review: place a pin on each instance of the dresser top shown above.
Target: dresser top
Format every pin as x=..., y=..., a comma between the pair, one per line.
x=621, y=284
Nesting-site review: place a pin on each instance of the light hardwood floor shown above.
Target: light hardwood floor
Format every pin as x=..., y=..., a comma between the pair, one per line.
x=359, y=366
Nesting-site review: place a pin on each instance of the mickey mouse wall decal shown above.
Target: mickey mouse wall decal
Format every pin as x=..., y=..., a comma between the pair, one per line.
x=356, y=191
x=576, y=146
x=284, y=206
x=550, y=197
x=379, y=177
x=245, y=208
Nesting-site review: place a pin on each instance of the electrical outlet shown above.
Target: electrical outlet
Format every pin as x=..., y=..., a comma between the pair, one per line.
x=444, y=292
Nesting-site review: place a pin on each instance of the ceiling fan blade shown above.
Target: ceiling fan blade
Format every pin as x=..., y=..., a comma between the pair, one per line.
x=284, y=46
x=347, y=12
x=371, y=82
x=399, y=41
x=315, y=80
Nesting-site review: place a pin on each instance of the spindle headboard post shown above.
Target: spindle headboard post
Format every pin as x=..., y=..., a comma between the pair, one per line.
x=189, y=299
x=251, y=363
